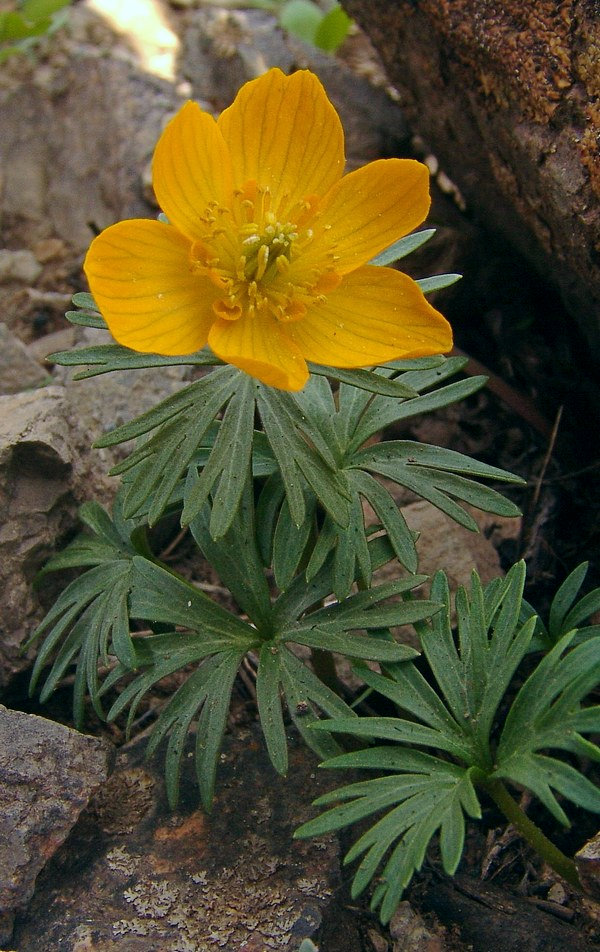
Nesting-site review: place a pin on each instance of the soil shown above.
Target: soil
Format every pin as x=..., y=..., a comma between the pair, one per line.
x=538, y=418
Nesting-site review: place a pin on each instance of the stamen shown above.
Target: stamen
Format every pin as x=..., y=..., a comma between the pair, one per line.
x=262, y=260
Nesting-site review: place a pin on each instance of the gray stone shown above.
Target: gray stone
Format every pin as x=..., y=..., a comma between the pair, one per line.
x=136, y=876
x=72, y=147
x=21, y=266
x=47, y=775
x=18, y=369
x=45, y=473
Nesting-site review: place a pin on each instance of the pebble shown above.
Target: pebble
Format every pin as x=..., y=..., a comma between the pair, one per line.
x=18, y=369
x=21, y=265
x=48, y=249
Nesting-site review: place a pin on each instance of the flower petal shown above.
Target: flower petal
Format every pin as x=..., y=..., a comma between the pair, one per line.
x=257, y=345
x=283, y=133
x=371, y=208
x=376, y=315
x=190, y=169
x=139, y=275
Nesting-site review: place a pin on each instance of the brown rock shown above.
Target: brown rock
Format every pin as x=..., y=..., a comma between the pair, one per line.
x=47, y=775
x=18, y=369
x=72, y=149
x=410, y=934
x=587, y=861
x=136, y=876
x=443, y=544
x=507, y=96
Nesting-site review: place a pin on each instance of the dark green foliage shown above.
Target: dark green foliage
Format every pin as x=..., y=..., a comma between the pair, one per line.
x=451, y=713
x=185, y=628
x=566, y=613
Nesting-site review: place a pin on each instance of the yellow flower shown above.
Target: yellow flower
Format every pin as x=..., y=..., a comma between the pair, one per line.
x=265, y=254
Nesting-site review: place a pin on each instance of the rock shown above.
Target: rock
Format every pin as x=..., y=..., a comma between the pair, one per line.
x=410, y=934
x=507, y=97
x=72, y=148
x=48, y=249
x=136, y=876
x=21, y=266
x=45, y=473
x=18, y=369
x=443, y=544
x=587, y=860
x=47, y=775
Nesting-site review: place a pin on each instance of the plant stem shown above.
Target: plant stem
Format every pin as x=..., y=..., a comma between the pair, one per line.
x=560, y=863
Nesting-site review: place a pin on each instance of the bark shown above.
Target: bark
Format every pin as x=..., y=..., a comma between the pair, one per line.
x=507, y=95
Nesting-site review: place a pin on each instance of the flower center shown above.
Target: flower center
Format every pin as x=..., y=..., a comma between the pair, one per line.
x=259, y=260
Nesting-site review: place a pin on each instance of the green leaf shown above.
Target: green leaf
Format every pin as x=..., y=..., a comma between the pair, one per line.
x=268, y=698
x=106, y=358
x=365, y=380
x=160, y=596
x=85, y=301
x=383, y=412
x=332, y=30
x=546, y=714
x=304, y=692
x=351, y=554
x=228, y=463
x=301, y=18
x=302, y=594
x=290, y=541
x=180, y=422
x=299, y=463
x=432, y=794
x=267, y=511
x=437, y=282
x=450, y=709
x=236, y=559
x=401, y=538
x=427, y=471
x=565, y=612
x=369, y=649
x=402, y=247
x=207, y=690
x=88, y=622
x=212, y=724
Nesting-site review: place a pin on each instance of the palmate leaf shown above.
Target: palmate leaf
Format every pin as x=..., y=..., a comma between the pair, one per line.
x=237, y=560
x=88, y=623
x=566, y=613
x=214, y=641
x=426, y=794
x=90, y=620
x=180, y=423
x=337, y=428
x=473, y=676
x=450, y=711
x=547, y=714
